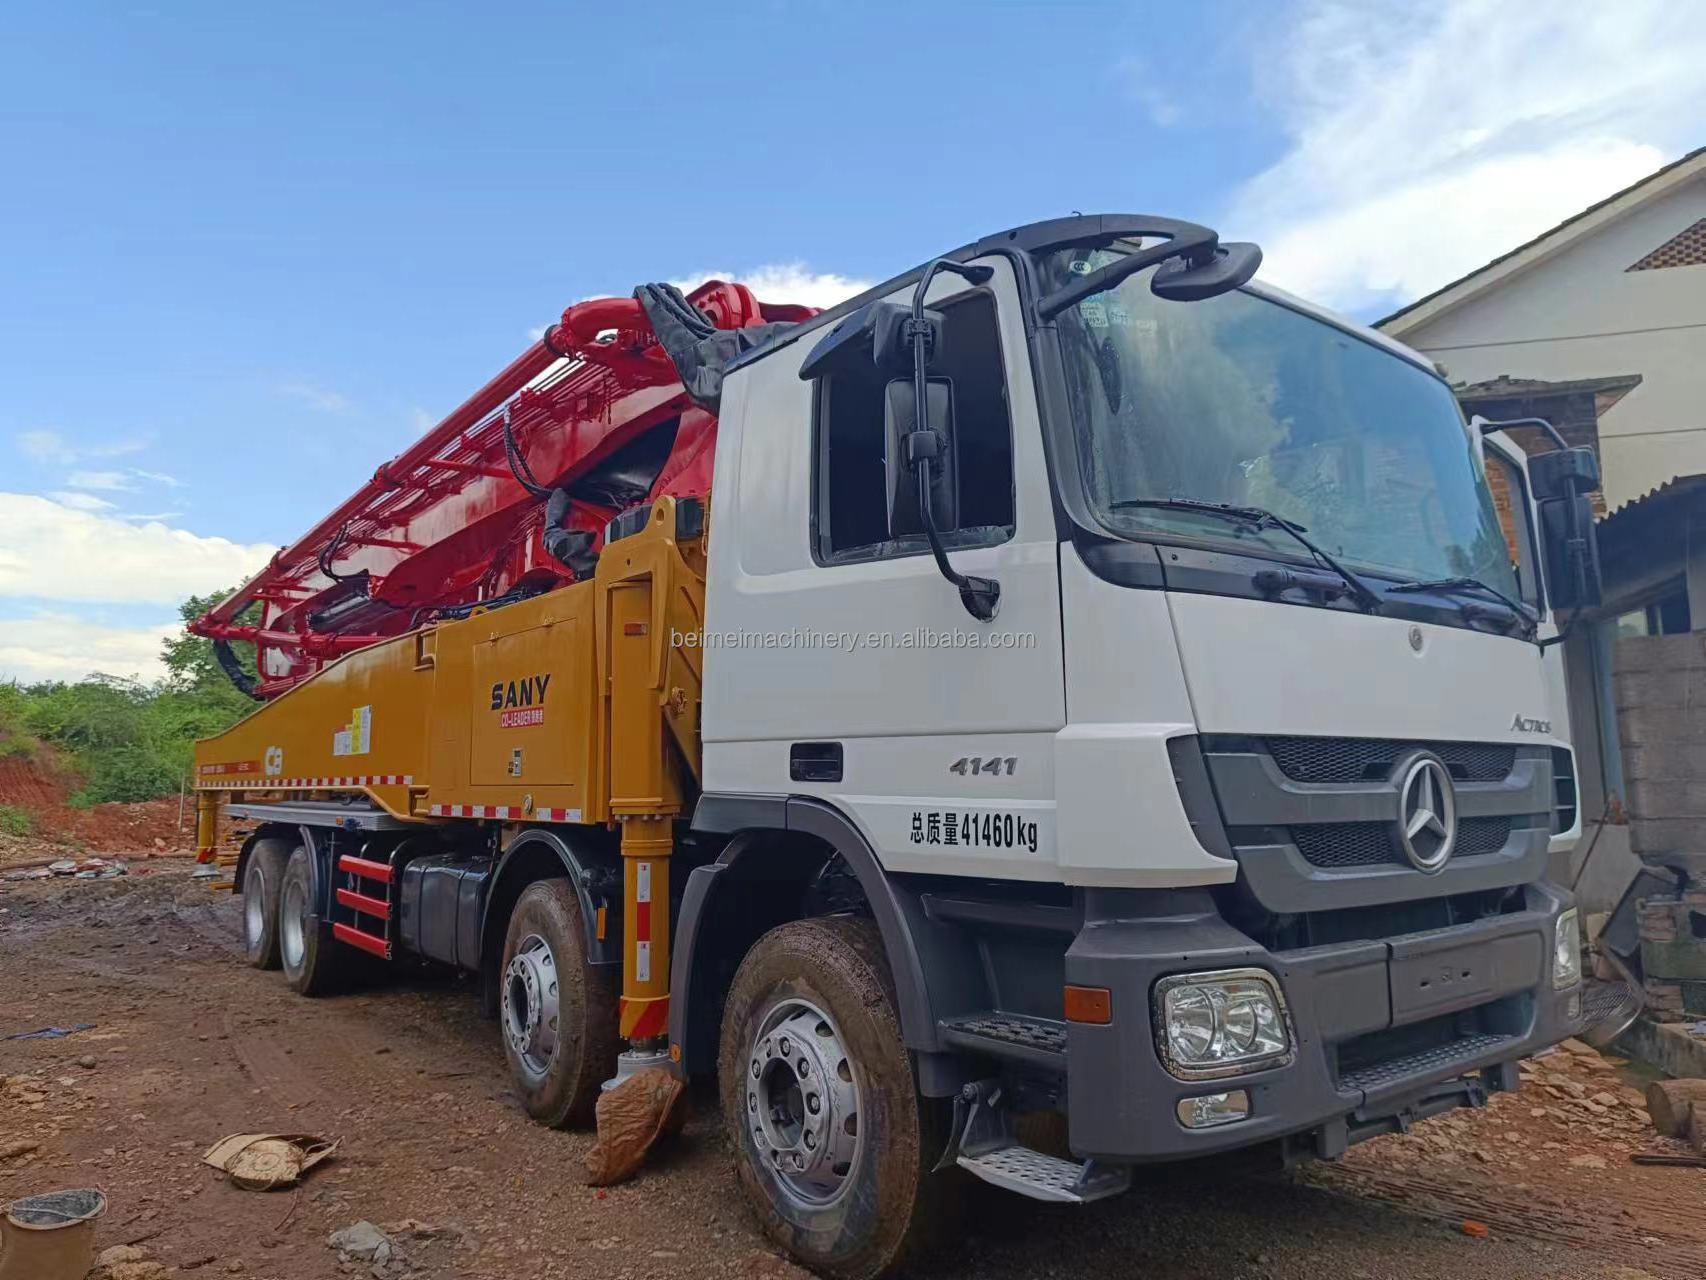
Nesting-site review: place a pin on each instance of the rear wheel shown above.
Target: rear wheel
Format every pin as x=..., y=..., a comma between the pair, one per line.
x=557, y=1011
x=263, y=877
x=832, y=1142
x=313, y=961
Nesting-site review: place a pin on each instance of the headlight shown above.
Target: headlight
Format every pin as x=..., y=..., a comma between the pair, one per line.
x=1216, y=1024
x=1567, y=950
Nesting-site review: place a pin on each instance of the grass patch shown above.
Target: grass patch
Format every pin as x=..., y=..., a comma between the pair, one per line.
x=15, y=821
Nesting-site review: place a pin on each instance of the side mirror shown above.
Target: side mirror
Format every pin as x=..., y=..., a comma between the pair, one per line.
x=905, y=441
x=1563, y=472
x=1571, y=546
x=1229, y=267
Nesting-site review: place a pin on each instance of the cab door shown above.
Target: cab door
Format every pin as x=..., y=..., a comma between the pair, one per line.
x=840, y=663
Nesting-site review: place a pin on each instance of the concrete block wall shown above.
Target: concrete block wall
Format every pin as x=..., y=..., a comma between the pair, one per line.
x=1659, y=683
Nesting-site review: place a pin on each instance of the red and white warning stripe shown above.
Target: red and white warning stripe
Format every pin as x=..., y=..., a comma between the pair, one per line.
x=253, y=783
x=503, y=811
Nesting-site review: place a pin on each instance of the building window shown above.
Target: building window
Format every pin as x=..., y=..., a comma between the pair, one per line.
x=1666, y=616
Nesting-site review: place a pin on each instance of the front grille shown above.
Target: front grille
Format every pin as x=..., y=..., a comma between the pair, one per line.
x=1369, y=759
x=1369, y=844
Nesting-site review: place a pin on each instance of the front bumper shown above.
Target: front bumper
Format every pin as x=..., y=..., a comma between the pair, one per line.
x=1384, y=1031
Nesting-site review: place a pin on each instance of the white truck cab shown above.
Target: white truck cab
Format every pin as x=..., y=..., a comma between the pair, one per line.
x=1230, y=826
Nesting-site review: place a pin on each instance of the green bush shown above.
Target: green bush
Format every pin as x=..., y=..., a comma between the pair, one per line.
x=129, y=741
x=15, y=822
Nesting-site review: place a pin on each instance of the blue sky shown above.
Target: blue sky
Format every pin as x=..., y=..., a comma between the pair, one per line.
x=248, y=255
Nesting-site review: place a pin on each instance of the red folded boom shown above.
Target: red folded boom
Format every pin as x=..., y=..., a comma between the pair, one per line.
x=595, y=408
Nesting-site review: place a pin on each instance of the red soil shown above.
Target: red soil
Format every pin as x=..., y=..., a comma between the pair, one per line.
x=43, y=789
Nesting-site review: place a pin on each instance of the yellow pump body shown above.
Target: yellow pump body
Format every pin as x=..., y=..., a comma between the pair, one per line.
x=580, y=705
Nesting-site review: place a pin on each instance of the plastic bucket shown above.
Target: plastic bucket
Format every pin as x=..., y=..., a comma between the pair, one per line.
x=50, y=1236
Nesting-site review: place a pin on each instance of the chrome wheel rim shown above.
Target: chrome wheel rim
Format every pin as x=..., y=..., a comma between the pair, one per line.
x=803, y=1104
x=254, y=906
x=530, y=1008
x=292, y=926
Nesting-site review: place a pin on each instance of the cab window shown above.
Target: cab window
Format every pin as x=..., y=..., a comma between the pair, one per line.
x=850, y=501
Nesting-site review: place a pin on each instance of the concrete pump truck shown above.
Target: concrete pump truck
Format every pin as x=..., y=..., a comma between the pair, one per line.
x=1072, y=678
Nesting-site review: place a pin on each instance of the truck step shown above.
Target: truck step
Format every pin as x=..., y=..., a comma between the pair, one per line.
x=362, y=941
x=378, y=908
x=1013, y=1036
x=370, y=929
x=1043, y=1177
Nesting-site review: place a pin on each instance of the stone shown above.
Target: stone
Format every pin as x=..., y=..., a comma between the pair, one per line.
x=362, y=1241
x=1587, y=1161
x=145, y=1270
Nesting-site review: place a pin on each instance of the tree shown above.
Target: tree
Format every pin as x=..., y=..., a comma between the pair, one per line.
x=191, y=666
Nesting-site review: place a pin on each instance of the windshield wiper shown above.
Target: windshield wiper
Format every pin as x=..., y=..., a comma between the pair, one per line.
x=1261, y=518
x=1528, y=619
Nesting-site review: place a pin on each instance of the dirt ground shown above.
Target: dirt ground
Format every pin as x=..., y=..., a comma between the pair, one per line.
x=188, y=1045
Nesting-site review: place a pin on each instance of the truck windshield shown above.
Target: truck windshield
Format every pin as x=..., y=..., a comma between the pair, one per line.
x=1244, y=401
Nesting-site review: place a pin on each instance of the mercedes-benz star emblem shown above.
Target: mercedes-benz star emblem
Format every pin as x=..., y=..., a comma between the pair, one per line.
x=1427, y=812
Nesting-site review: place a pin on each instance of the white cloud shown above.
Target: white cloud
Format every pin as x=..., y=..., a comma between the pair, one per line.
x=50, y=447
x=1425, y=141
x=80, y=501
x=61, y=646
x=158, y=477
x=111, y=481
x=785, y=282
x=315, y=397
x=52, y=551
x=421, y=419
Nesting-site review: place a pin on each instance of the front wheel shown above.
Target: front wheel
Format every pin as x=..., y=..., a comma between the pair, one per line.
x=832, y=1142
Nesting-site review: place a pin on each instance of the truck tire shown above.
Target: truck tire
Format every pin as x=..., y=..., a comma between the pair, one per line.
x=832, y=1143
x=263, y=877
x=556, y=1012
x=312, y=959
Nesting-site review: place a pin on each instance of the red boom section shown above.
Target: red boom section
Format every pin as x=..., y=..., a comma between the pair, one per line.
x=595, y=408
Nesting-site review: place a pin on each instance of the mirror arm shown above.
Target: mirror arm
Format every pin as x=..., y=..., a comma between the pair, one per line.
x=1198, y=243
x=981, y=596
x=1488, y=427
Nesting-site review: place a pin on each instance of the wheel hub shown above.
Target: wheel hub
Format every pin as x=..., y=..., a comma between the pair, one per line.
x=530, y=1009
x=802, y=1103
